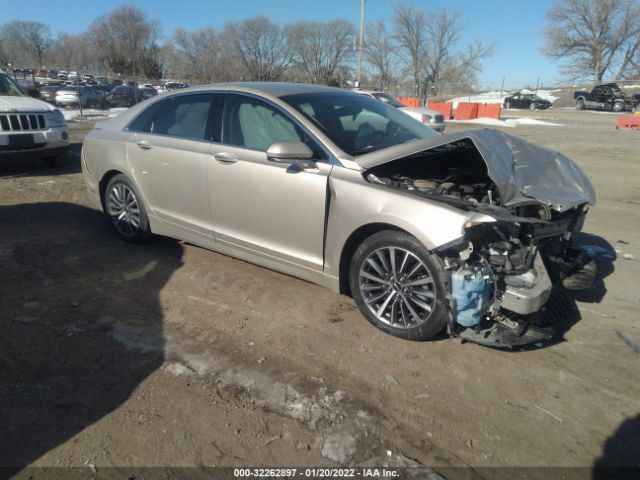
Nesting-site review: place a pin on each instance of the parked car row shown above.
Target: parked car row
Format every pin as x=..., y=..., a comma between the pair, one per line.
x=94, y=96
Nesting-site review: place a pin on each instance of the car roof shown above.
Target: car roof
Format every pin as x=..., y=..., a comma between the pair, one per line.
x=274, y=89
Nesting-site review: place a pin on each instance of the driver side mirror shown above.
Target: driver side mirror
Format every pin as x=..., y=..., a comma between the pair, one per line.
x=293, y=153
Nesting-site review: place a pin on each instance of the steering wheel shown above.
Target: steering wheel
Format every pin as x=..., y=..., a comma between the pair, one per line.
x=393, y=129
x=367, y=137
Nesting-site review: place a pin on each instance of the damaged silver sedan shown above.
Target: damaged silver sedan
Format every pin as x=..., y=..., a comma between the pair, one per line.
x=469, y=232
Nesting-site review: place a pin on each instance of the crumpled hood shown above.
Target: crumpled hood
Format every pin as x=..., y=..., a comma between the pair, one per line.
x=23, y=104
x=520, y=169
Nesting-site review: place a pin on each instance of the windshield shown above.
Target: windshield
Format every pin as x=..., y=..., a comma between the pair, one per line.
x=384, y=97
x=8, y=87
x=356, y=123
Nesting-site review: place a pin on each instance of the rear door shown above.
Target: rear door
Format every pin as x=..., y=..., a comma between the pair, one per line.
x=168, y=153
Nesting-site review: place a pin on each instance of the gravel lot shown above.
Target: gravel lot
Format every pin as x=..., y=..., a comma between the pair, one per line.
x=169, y=355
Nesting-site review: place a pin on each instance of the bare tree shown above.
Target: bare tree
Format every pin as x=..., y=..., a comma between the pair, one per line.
x=320, y=49
x=36, y=39
x=11, y=52
x=379, y=54
x=126, y=40
x=590, y=35
x=71, y=52
x=24, y=42
x=410, y=31
x=261, y=45
x=443, y=63
x=197, y=55
x=630, y=64
x=428, y=44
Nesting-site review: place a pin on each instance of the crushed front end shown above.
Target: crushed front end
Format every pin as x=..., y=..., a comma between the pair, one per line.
x=509, y=271
x=508, y=279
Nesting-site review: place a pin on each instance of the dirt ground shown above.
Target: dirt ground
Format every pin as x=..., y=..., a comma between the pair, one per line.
x=169, y=355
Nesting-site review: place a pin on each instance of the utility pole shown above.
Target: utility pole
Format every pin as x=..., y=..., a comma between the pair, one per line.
x=361, y=40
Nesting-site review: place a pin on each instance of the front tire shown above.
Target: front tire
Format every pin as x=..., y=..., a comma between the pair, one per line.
x=399, y=286
x=507, y=105
x=125, y=210
x=533, y=106
x=580, y=104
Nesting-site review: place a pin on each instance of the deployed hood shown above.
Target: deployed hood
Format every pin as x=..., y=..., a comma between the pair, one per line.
x=521, y=170
x=23, y=104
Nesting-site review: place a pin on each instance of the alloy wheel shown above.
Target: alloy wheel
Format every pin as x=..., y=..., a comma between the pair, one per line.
x=123, y=208
x=397, y=287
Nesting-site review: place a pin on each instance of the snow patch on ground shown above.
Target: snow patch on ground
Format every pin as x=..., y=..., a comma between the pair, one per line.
x=509, y=122
x=74, y=114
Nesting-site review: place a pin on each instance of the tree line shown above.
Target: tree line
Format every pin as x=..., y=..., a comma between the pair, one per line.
x=418, y=49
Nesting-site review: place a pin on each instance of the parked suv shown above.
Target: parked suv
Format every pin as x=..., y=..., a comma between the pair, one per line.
x=30, y=127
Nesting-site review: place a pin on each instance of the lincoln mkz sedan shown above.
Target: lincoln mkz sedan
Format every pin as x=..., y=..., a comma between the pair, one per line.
x=468, y=232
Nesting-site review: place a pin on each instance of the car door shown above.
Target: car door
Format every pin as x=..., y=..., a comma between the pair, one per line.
x=274, y=210
x=168, y=153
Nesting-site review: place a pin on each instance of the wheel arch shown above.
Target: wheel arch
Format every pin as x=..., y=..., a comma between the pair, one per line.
x=104, y=181
x=353, y=242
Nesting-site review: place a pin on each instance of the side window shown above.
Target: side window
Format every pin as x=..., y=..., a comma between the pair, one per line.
x=252, y=123
x=144, y=121
x=184, y=116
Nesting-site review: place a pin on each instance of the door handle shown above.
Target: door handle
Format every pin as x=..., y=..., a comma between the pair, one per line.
x=225, y=158
x=144, y=145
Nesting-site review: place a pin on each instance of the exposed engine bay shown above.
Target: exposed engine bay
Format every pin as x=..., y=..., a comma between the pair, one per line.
x=503, y=273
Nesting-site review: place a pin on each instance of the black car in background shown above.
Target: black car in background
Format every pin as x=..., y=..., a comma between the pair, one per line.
x=526, y=100
x=123, y=95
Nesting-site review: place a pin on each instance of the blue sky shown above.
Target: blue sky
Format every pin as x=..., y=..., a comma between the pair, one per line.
x=515, y=26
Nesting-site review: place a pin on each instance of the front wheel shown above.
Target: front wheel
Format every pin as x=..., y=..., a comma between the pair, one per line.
x=124, y=208
x=580, y=104
x=399, y=286
x=533, y=106
x=507, y=105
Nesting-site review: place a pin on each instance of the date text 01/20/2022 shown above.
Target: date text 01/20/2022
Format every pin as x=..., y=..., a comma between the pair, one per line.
x=315, y=472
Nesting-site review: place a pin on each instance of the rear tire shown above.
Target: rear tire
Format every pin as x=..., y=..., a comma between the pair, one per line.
x=507, y=105
x=399, y=286
x=125, y=210
x=533, y=106
x=580, y=104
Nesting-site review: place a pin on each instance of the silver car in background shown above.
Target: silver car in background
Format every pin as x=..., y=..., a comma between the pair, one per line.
x=422, y=114
x=80, y=95
x=469, y=232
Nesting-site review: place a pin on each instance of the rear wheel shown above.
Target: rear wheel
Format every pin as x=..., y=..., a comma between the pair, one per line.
x=580, y=104
x=507, y=104
x=124, y=208
x=618, y=106
x=533, y=106
x=398, y=286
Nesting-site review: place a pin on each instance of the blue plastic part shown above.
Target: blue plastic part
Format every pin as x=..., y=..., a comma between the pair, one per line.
x=470, y=288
